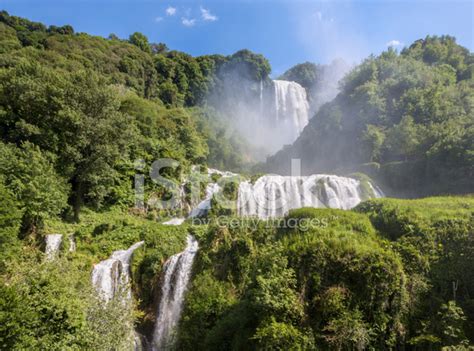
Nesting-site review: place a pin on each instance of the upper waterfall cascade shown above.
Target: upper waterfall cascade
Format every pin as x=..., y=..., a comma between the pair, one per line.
x=177, y=272
x=273, y=196
x=291, y=109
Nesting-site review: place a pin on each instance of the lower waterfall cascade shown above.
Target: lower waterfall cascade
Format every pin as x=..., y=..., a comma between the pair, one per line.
x=176, y=275
x=273, y=196
x=112, y=276
x=72, y=243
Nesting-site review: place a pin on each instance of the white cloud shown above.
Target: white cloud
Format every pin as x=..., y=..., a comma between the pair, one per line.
x=171, y=11
x=158, y=19
x=207, y=15
x=394, y=43
x=188, y=22
x=319, y=15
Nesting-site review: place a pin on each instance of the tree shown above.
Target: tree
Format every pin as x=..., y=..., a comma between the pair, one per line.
x=101, y=138
x=113, y=36
x=72, y=115
x=52, y=306
x=31, y=176
x=373, y=139
x=404, y=138
x=250, y=65
x=272, y=335
x=159, y=48
x=348, y=332
x=140, y=40
x=451, y=321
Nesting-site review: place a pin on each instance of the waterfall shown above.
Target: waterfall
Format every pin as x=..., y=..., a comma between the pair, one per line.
x=376, y=191
x=72, y=243
x=211, y=171
x=273, y=196
x=53, y=244
x=113, y=274
x=211, y=189
x=291, y=109
x=203, y=207
x=175, y=221
x=177, y=272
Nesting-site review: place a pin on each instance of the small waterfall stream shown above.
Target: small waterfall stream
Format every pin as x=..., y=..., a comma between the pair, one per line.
x=53, y=244
x=204, y=206
x=176, y=275
x=111, y=278
x=72, y=243
x=113, y=274
x=175, y=221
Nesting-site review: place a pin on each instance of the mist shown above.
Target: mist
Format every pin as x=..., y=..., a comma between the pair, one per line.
x=267, y=113
x=270, y=114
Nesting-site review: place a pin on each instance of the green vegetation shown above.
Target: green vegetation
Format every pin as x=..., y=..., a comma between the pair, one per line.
x=82, y=116
x=10, y=220
x=51, y=304
x=434, y=238
x=143, y=102
x=377, y=278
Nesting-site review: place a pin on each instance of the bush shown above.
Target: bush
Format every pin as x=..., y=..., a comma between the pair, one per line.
x=10, y=220
x=31, y=176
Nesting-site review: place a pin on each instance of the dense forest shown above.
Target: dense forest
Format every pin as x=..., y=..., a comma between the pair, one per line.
x=81, y=115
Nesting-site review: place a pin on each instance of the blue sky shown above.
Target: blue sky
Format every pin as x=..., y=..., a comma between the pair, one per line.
x=286, y=32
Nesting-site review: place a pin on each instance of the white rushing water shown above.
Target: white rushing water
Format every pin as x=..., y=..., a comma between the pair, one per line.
x=211, y=171
x=273, y=196
x=211, y=189
x=113, y=274
x=176, y=275
x=72, y=243
x=53, y=244
x=291, y=109
x=175, y=221
x=204, y=206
